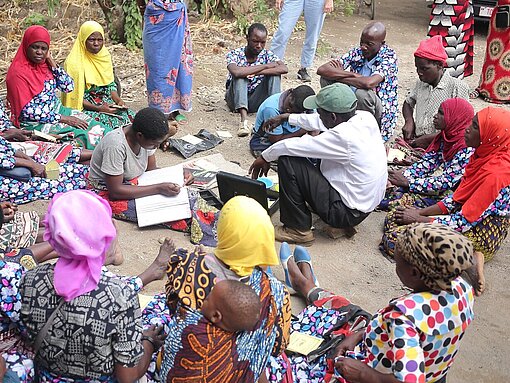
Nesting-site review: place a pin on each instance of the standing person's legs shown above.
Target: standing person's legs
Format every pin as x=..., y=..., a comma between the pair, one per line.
x=302, y=185
x=270, y=85
x=289, y=15
x=314, y=19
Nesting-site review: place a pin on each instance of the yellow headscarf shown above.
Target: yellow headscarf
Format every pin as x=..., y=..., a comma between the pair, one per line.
x=245, y=236
x=86, y=68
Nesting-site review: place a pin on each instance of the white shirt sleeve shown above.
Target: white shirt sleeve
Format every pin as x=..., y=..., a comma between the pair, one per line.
x=327, y=145
x=309, y=122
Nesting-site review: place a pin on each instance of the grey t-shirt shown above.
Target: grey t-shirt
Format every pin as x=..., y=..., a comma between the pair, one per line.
x=114, y=157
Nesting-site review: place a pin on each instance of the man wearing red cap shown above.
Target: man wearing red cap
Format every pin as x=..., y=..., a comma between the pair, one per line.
x=434, y=86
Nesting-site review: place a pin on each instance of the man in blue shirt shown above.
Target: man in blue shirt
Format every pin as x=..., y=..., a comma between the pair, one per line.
x=371, y=71
x=273, y=112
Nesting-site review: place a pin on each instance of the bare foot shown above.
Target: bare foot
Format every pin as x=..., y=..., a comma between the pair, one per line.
x=475, y=274
x=158, y=267
x=299, y=282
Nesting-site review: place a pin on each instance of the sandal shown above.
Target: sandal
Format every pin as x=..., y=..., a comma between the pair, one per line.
x=181, y=119
x=474, y=94
x=285, y=255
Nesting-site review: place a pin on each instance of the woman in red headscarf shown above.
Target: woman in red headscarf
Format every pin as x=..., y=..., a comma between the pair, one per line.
x=480, y=206
x=32, y=81
x=427, y=180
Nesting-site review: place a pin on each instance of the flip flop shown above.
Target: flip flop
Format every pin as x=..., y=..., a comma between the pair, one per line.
x=181, y=119
x=285, y=254
x=301, y=255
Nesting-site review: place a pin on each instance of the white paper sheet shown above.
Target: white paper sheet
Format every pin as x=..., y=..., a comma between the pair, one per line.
x=156, y=209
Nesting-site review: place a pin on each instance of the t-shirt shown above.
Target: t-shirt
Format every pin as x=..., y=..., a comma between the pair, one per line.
x=270, y=108
x=113, y=156
x=426, y=100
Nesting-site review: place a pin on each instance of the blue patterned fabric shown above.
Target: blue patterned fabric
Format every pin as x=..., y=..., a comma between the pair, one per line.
x=386, y=65
x=168, y=56
x=238, y=57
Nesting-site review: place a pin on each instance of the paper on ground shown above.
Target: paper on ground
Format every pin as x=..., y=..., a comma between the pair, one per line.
x=303, y=343
x=224, y=134
x=194, y=140
x=395, y=154
x=156, y=209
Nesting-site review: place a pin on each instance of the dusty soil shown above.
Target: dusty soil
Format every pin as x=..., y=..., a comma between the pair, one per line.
x=351, y=267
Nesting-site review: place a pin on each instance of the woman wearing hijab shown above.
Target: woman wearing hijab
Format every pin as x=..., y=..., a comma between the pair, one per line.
x=240, y=255
x=439, y=170
x=84, y=324
x=90, y=65
x=415, y=338
x=479, y=208
x=32, y=82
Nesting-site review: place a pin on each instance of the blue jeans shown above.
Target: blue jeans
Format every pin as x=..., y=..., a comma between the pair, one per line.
x=237, y=95
x=289, y=15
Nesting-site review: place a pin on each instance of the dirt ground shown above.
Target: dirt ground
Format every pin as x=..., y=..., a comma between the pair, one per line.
x=351, y=267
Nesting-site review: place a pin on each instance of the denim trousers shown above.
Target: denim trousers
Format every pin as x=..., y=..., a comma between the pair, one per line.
x=237, y=95
x=314, y=18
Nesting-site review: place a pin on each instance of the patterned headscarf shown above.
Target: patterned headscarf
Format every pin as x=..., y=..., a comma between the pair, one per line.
x=438, y=252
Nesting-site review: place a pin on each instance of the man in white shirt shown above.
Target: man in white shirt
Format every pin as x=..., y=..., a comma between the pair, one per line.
x=351, y=178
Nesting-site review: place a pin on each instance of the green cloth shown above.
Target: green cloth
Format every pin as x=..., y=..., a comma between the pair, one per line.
x=87, y=139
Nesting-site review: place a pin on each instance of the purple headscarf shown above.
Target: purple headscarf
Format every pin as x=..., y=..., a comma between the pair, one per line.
x=79, y=227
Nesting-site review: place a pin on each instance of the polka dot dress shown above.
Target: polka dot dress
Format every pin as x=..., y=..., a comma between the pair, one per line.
x=417, y=336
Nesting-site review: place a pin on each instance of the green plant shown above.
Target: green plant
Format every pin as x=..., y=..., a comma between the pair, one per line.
x=52, y=5
x=132, y=24
x=35, y=18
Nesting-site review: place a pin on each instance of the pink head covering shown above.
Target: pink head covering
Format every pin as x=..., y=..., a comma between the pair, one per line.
x=79, y=227
x=432, y=49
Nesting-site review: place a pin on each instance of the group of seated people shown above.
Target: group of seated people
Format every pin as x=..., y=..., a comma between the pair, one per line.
x=223, y=316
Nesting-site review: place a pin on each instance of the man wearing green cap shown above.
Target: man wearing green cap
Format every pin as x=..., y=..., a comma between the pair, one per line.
x=351, y=179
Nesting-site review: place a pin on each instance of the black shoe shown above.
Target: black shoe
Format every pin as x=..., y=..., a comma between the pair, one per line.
x=303, y=75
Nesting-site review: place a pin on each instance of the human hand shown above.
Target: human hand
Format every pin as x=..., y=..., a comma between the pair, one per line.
x=168, y=189
x=15, y=134
x=259, y=168
x=420, y=142
x=274, y=122
x=407, y=215
x=349, y=343
x=105, y=108
x=8, y=209
x=50, y=61
x=397, y=178
x=408, y=130
x=3, y=368
x=314, y=132
x=156, y=336
x=352, y=370
x=38, y=170
x=336, y=64
x=75, y=122
x=278, y=4
x=328, y=6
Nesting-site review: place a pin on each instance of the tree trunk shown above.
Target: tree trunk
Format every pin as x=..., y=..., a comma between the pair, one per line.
x=115, y=18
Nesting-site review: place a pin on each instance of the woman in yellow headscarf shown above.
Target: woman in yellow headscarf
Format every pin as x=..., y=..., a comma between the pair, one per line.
x=245, y=248
x=90, y=65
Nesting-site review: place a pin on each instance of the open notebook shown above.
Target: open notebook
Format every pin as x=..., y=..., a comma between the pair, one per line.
x=158, y=208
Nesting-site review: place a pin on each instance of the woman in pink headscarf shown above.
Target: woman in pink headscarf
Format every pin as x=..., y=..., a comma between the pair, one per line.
x=83, y=323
